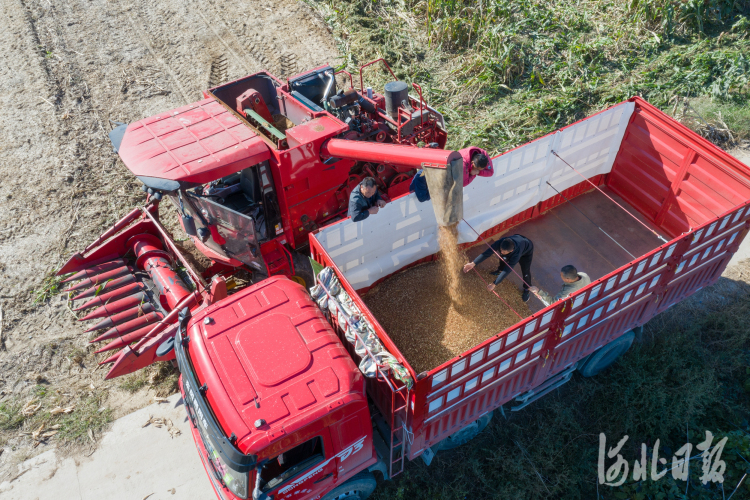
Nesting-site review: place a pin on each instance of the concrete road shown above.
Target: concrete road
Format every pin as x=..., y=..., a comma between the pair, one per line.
x=130, y=463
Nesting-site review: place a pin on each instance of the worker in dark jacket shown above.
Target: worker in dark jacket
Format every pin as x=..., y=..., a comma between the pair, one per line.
x=364, y=200
x=514, y=250
x=573, y=280
x=419, y=186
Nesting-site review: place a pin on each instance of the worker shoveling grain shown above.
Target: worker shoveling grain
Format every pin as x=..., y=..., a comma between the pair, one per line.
x=428, y=327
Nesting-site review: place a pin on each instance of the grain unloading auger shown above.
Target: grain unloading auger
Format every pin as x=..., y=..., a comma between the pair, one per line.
x=251, y=170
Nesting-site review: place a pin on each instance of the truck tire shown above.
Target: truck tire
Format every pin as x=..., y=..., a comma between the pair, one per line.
x=358, y=487
x=464, y=435
x=606, y=355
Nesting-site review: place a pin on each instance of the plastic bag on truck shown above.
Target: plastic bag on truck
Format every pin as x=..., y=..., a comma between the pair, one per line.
x=333, y=308
x=399, y=371
x=349, y=318
x=357, y=325
x=347, y=304
x=371, y=342
x=329, y=280
x=317, y=293
x=369, y=367
x=343, y=323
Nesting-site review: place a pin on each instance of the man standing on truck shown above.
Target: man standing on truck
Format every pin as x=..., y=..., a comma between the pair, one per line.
x=364, y=200
x=573, y=280
x=514, y=250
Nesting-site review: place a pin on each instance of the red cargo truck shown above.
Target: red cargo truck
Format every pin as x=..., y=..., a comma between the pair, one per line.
x=278, y=406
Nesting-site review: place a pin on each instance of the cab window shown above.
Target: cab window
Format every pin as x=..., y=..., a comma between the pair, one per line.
x=291, y=462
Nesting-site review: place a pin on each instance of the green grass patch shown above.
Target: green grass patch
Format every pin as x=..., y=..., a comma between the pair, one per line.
x=88, y=414
x=40, y=391
x=51, y=286
x=736, y=117
x=135, y=382
x=162, y=377
x=10, y=415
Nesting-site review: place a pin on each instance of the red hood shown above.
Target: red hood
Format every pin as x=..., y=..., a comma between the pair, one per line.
x=267, y=352
x=197, y=143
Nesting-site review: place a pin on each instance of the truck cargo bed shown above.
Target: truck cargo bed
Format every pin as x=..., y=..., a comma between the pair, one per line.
x=413, y=305
x=695, y=195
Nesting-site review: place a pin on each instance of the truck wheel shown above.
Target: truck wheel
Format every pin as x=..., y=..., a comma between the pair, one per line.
x=464, y=435
x=607, y=355
x=358, y=487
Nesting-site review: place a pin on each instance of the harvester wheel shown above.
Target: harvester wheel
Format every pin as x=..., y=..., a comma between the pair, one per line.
x=358, y=487
x=607, y=355
x=464, y=435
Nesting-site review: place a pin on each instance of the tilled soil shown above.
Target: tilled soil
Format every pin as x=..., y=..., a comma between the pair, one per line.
x=69, y=69
x=415, y=309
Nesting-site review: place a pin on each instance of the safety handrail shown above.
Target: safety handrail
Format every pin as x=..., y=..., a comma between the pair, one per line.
x=421, y=102
x=361, y=78
x=351, y=78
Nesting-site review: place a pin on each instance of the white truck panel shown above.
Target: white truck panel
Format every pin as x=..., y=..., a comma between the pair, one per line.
x=405, y=230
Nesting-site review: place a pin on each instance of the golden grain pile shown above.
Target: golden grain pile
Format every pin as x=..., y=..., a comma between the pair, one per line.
x=417, y=312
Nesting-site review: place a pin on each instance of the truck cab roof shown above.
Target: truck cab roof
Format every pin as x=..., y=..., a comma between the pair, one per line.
x=271, y=364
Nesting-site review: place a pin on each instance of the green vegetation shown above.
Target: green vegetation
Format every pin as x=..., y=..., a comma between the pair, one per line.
x=504, y=71
x=88, y=414
x=44, y=413
x=51, y=286
x=10, y=415
x=135, y=382
x=162, y=377
x=735, y=116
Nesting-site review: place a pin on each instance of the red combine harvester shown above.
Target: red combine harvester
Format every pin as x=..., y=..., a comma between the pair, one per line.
x=297, y=394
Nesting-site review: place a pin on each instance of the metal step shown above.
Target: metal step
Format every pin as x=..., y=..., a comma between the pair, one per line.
x=545, y=388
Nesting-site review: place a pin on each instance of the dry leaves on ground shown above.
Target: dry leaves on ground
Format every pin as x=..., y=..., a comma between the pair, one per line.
x=30, y=408
x=163, y=422
x=42, y=434
x=59, y=410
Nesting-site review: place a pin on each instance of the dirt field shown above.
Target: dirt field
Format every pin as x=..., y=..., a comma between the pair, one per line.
x=69, y=69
